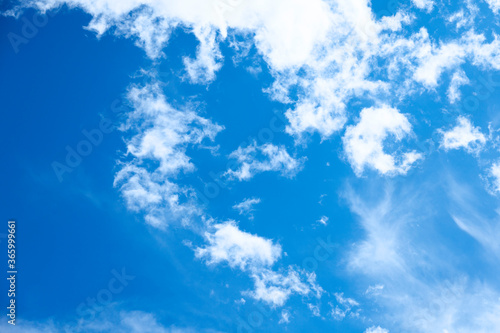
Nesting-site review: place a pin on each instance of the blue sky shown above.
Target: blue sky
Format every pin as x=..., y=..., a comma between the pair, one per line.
x=234, y=166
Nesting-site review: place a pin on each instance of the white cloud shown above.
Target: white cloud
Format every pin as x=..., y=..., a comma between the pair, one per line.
x=208, y=59
x=494, y=5
x=377, y=329
x=255, y=159
x=463, y=135
x=402, y=251
x=275, y=288
x=314, y=309
x=256, y=255
x=494, y=174
x=424, y=4
x=381, y=250
x=374, y=290
x=229, y=244
x=435, y=61
x=285, y=317
x=246, y=207
x=323, y=220
x=469, y=215
x=458, y=79
x=364, y=142
x=322, y=54
x=161, y=134
x=310, y=117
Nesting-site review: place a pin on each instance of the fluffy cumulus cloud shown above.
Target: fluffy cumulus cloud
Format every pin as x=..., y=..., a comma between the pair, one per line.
x=364, y=142
x=464, y=135
x=228, y=244
x=254, y=159
x=256, y=255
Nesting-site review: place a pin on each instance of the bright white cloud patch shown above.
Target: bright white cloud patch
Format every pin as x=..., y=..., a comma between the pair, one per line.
x=321, y=54
x=256, y=255
x=463, y=135
x=364, y=142
x=255, y=159
x=424, y=4
x=230, y=245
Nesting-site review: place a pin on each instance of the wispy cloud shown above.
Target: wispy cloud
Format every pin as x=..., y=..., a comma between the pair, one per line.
x=161, y=134
x=246, y=207
x=254, y=159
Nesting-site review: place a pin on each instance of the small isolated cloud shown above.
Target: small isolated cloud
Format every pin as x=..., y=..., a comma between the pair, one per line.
x=314, y=309
x=364, y=142
x=106, y=322
x=323, y=220
x=255, y=159
x=246, y=207
x=374, y=290
x=463, y=135
x=227, y=243
x=377, y=329
x=285, y=317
